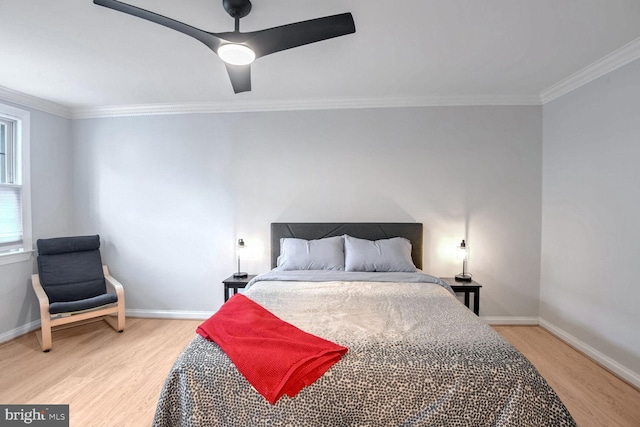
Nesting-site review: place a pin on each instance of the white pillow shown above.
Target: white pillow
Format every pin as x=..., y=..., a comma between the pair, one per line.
x=321, y=254
x=380, y=255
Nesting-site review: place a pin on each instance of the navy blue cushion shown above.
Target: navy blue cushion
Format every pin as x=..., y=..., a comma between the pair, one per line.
x=85, y=304
x=61, y=245
x=66, y=275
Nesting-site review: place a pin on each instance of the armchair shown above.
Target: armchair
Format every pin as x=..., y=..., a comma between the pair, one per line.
x=72, y=286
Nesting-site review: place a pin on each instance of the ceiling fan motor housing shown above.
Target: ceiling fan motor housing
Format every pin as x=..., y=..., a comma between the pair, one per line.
x=237, y=8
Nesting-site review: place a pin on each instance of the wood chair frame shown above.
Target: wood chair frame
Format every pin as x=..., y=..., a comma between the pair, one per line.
x=113, y=314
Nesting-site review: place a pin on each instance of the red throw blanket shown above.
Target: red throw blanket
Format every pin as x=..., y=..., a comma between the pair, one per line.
x=274, y=356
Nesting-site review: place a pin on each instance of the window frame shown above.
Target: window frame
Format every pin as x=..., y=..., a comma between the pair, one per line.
x=22, y=145
x=9, y=148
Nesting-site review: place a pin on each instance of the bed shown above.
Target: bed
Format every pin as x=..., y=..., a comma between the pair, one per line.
x=416, y=355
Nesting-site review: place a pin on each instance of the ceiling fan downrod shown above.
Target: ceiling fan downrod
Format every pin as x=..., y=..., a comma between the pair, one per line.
x=237, y=9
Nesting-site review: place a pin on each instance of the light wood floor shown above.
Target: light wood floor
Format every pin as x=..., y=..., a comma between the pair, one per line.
x=112, y=379
x=107, y=378
x=593, y=395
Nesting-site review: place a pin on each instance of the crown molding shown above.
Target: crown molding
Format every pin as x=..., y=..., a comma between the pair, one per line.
x=291, y=105
x=620, y=57
x=30, y=101
x=616, y=59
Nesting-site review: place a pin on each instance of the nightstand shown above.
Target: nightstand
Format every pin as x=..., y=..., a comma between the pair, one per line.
x=235, y=283
x=466, y=288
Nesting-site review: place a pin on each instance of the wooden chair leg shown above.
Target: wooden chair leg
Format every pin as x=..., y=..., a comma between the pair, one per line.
x=44, y=334
x=121, y=318
x=113, y=284
x=117, y=322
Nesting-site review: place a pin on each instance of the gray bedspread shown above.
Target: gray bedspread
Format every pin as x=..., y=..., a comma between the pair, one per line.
x=417, y=357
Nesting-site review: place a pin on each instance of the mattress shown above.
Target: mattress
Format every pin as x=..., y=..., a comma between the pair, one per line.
x=416, y=357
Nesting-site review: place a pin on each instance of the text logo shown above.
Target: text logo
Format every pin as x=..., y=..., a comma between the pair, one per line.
x=34, y=415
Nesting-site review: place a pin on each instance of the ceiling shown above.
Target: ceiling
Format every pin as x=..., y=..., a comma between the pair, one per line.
x=83, y=56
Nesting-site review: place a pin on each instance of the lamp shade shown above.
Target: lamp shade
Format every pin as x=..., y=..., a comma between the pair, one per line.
x=240, y=246
x=462, y=254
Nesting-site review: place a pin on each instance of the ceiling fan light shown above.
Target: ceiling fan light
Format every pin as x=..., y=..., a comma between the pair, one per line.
x=236, y=54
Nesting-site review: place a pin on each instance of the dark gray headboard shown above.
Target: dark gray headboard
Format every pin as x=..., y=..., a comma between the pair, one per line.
x=362, y=230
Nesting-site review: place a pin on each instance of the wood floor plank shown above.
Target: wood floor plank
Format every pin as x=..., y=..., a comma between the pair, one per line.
x=107, y=378
x=111, y=379
x=593, y=395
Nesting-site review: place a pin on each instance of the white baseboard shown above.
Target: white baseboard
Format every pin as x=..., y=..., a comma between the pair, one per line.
x=15, y=333
x=623, y=372
x=510, y=320
x=169, y=314
x=150, y=314
x=203, y=315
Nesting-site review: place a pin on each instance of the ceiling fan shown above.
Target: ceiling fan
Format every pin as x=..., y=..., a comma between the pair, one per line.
x=238, y=50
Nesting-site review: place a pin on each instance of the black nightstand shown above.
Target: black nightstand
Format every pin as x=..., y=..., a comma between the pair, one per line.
x=235, y=283
x=467, y=288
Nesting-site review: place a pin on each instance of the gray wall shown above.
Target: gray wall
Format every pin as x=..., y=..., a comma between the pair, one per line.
x=591, y=211
x=51, y=198
x=171, y=194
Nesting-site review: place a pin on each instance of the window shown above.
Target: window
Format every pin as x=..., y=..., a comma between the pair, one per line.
x=15, y=194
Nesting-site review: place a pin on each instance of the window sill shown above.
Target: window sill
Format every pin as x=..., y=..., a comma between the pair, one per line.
x=12, y=257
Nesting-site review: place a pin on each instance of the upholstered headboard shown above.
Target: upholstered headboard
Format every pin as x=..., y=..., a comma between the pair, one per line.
x=362, y=230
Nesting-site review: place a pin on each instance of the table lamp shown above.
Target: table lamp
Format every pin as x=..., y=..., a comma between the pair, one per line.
x=240, y=247
x=462, y=253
